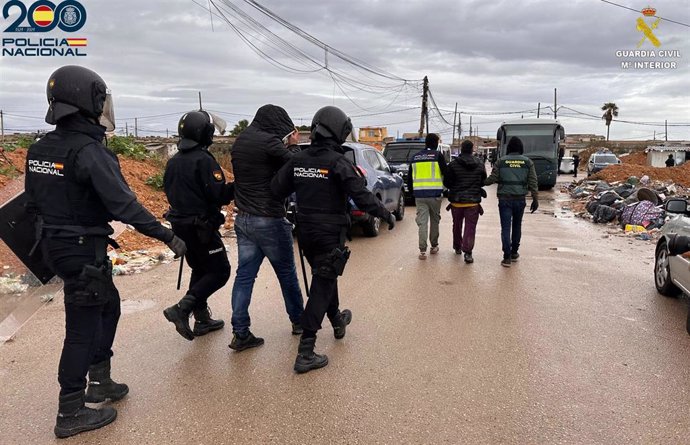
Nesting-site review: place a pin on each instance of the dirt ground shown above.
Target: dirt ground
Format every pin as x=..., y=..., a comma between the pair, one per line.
x=136, y=173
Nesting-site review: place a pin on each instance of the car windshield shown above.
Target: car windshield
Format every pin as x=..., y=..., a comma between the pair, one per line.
x=401, y=152
x=605, y=159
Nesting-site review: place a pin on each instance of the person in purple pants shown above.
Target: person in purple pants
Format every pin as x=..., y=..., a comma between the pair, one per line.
x=464, y=180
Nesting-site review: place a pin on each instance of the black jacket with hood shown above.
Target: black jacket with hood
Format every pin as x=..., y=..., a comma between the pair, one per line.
x=464, y=179
x=258, y=153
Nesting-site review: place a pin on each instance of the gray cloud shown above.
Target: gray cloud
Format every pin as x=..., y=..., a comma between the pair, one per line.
x=487, y=56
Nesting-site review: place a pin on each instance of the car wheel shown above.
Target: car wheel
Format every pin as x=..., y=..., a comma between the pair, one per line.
x=662, y=273
x=372, y=226
x=400, y=211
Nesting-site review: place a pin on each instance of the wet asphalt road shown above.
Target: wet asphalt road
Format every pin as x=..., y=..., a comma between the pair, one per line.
x=570, y=345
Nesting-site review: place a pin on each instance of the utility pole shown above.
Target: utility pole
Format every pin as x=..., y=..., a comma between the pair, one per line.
x=666, y=129
x=425, y=113
x=655, y=135
x=126, y=128
x=166, y=133
x=455, y=116
x=460, y=126
x=2, y=126
x=555, y=106
x=538, y=109
x=200, y=107
x=470, y=126
x=136, y=128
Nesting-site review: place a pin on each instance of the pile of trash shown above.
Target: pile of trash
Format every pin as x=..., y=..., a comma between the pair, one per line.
x=129, y=263
x=635, y=204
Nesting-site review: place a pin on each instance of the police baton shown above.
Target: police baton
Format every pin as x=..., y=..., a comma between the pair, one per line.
x=179, y=274
x=301, y=253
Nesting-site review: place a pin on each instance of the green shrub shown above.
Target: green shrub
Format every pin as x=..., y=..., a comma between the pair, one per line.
x=155, y=181
x=128, y=147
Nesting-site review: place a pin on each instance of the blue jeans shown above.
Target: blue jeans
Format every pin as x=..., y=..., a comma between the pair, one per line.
x=511, y=212
x=259, y=237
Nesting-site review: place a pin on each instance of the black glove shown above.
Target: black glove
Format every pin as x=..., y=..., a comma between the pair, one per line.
x=390, y=220
x=482, y=192
x=535, y=205
x=177, y=246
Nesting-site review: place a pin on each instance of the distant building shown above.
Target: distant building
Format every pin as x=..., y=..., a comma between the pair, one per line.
x=658, y=154
x=375, y=136
x=576, y=138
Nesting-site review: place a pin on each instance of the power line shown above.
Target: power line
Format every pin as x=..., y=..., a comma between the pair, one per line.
x=640, y=11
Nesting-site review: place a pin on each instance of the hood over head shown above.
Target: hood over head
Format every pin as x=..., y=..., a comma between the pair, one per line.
x=274, y=120
x=467, y=161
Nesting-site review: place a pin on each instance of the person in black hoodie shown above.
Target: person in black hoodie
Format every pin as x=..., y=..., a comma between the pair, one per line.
x=261, y=227
x=196, y=189
x=464, y=180
x=322, y=179
x=75, y=188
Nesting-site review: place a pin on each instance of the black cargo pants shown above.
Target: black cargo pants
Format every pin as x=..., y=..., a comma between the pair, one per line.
x=92, y=306
x=317, y=241
x=208, y=259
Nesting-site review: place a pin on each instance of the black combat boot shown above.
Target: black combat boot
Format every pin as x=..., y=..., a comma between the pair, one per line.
x=306, y=358
x=204, y=324
x=101, y=386
x=297, y=329
x=340, y=322
x=179, y=315
x=74, y=418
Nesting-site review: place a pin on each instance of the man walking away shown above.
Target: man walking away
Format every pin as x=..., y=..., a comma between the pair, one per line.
x=516, y=177
x=464, y=179
x=425, y=181
x=261, y=227
x=323, y=179
x=196, y=190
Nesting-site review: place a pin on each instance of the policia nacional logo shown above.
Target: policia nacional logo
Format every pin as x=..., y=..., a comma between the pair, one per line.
x=46, y=167
x=310, y=172
x=40, y=17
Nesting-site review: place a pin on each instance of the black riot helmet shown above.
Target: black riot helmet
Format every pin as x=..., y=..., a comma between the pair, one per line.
x=75, y=89
x=195, y=128
x=331, y=122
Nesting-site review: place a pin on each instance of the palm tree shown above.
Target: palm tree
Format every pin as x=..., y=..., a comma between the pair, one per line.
x=610, y=111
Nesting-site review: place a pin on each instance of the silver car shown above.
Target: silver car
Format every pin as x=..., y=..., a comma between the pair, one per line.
x=672, y=272
x=672, y=258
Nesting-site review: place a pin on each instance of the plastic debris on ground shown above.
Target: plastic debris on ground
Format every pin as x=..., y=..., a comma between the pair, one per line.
x=129, y=263
x=633, y=205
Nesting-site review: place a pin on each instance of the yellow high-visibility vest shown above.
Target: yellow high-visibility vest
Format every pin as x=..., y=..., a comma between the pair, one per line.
x=426, y=175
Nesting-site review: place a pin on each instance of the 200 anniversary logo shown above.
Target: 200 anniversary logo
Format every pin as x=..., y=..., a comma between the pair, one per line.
x=41, y=17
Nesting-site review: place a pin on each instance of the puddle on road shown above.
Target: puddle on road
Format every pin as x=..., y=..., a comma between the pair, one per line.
x=133, y=306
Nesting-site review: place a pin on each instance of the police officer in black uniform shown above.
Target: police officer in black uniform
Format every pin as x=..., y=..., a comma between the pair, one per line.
x=322, y=179
x=76, y=188
x=196, y=190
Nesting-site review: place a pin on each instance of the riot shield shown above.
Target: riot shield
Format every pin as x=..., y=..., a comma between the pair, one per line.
x=18, y=233
x=25, y=282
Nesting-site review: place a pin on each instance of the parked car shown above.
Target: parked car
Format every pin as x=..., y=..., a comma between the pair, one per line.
x=672, y=272
x=600, y=160
x=399, y=153
x=672, y=258
x=382, y=181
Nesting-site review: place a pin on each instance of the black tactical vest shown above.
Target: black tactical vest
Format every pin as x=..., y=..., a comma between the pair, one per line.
x=52, y=184
x=318, y=192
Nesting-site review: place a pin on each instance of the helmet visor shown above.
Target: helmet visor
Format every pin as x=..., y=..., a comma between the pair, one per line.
x=107, y=118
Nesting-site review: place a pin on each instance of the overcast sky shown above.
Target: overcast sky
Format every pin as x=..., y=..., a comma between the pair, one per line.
x=496, y=56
